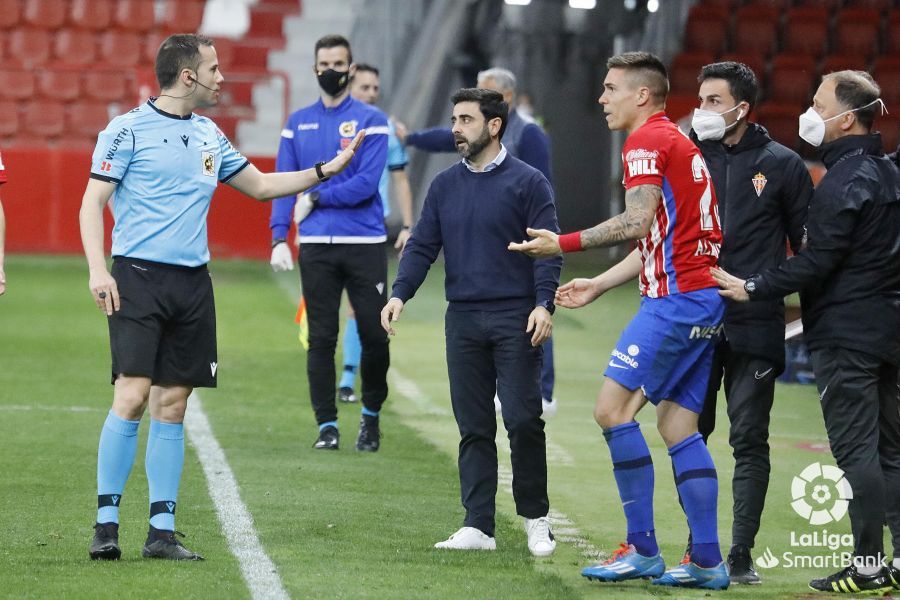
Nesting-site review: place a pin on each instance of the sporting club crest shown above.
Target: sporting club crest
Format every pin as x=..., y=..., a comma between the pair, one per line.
x=759, y=182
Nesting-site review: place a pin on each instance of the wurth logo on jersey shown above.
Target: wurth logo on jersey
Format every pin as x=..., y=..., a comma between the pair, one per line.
x=641, y=162
x=120, y=137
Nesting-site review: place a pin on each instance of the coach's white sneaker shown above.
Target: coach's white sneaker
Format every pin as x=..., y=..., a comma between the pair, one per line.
x=549, y=407
x=468, y=538
x=540, y=538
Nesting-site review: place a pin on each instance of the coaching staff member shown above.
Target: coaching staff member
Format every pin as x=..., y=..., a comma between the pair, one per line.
x=849, y=278
x=763, y=191
x=160, y=164
x=342, y=239
x=498, y=317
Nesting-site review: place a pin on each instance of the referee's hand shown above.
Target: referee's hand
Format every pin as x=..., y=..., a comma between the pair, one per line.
x=104, y=290
x=282, y=259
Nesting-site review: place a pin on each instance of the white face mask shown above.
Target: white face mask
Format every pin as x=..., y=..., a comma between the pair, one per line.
x=710, y=125
x=812, y=125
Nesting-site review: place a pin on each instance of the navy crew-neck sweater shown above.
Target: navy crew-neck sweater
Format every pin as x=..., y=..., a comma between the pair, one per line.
x=473, y=217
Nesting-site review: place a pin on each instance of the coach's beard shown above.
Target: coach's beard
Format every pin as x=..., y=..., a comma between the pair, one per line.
x=468, y=149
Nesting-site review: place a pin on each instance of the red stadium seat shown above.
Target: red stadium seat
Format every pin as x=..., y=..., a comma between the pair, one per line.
x=724, y=6
x=684, y=71
x=886, y=73
x=29, y=47
x=59, y=84
x=755, y=29
x=756, y=63
x=889, y=127
x=120, y=49
x=16, y=84
x=10, y=13
x=829, y=5
x=842, y=62
x=892, y=40
x=225, y=51
x=75, y=46
x=87, y=119
x=91, y=14
x=183, y=16
x=705, y=34
x=856, y=32
x=49, y=14
x=135, y=15
x=791, y=81
x=9, y=118
x=879, y=5
x=806, y=31
x=108, y=86
x=781, y=122
x=44, y=118
x=150, y=46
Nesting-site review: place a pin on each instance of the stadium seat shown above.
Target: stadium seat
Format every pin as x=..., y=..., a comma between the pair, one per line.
x=120, y=49
x=59, y=84
x=10, y=13
x=150, y=46
x=841, y=62
x=49, y=14
x=829, y=5
x=886, y=72
x=756, y=63
x=75, y=46
x=91, y=14
x=87, y=119
x=889, y=127
x=791, y=80
x=725, y=7
x=781, y=122
x=755, y=30
x=109, y=86
x=135, y=15
x=29, y=47
x=225, y=52
x=16, y=84
x=856, y=32
x=44, y=118
x=892, y=39
x=9, y=118
x=684, y=71
x=705, y=34
x=182, y=16
x=879, y=5
x=806, y=31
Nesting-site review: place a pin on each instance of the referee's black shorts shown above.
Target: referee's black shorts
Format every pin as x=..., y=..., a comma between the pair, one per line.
x=165, y=328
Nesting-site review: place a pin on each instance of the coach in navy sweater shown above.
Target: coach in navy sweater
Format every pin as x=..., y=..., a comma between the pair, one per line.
x=500, y=304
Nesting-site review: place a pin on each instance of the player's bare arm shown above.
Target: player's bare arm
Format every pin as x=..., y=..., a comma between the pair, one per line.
x=102, y=285
x=641, y=203
x=582, y=291
x=265, y=186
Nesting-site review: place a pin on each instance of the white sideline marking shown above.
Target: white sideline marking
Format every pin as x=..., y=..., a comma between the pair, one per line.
x=411, y=391
x=24, y=407
x=257, y=568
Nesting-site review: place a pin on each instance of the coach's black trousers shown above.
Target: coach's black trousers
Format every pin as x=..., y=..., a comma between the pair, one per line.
x=325, y=271
x=860, y=403
x=749, y=391
x=486, y=352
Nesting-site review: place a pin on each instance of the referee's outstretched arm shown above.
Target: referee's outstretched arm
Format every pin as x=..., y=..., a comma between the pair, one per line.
x=265, y=186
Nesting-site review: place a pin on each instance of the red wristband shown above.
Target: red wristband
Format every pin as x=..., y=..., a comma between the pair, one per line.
x=571, y=242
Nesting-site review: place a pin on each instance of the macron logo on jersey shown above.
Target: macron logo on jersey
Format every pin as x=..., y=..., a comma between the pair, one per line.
x=641, y=162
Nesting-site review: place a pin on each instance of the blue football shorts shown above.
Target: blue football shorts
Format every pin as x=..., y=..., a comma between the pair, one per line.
x=667, y=348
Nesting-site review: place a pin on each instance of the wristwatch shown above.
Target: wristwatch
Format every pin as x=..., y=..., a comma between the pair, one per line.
x=549, y=305
x=750, y=286
x=320, y=173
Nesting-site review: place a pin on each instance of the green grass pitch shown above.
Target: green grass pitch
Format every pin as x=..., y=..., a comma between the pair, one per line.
x=342, y=524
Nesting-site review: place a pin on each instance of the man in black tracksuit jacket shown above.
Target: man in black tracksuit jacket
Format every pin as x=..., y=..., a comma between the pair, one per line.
x=849, y=279
x=763, y=189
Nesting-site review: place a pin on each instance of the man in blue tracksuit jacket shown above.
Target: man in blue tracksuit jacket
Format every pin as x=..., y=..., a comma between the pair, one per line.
x=342, y=238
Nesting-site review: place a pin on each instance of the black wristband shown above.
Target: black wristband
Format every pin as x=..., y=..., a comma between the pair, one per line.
x=277, y=241
x=406, y=227
x=319, y=173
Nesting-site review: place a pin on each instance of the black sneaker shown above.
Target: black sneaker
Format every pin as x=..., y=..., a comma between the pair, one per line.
x=893, y=575
x=105, y=545
x=345, y=394
x=369, y=434
x=740, y=566
x=849, y=581
x=162, y=543
x=328, y=439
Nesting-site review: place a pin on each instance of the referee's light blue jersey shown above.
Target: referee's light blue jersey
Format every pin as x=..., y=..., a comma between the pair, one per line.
x=165, y=168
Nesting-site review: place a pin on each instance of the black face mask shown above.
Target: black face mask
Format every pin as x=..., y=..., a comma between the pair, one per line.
x=333, y=82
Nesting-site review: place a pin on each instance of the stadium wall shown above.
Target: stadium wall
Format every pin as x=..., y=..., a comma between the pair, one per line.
x=43, y=196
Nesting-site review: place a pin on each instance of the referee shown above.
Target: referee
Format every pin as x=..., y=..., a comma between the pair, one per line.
x=160, y=164
x=849, y=278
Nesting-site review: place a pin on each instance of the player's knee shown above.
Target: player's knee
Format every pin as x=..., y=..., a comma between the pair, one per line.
x=129, y=403
x=608, y=416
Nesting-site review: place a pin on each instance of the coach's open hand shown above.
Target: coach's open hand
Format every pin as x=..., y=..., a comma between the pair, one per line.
x=104, y=290
x=545, y=244
x=340, y=162
x=732, y=287
x=391, y=314
x=540, y=322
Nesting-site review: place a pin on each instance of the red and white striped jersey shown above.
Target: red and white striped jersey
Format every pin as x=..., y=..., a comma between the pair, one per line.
x=685, y=236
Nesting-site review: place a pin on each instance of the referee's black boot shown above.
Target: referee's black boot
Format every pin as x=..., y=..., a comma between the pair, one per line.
x=740, y=566
x=162, y=543
x=328, y=439
x=105, y=545
x=369, y=434
x=850, y=581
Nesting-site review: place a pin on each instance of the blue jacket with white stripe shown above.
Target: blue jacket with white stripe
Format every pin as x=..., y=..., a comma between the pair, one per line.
x=349, y=210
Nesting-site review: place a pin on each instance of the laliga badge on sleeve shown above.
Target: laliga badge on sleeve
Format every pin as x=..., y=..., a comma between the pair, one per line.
x=759, y=182
x=209, y=164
